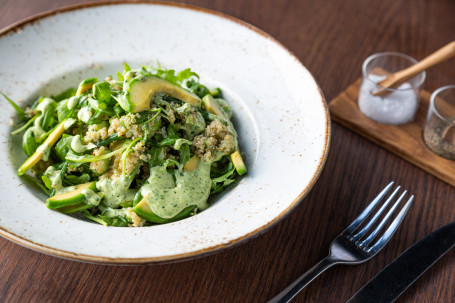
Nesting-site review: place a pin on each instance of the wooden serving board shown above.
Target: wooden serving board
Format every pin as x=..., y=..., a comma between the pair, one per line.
x=403, y=140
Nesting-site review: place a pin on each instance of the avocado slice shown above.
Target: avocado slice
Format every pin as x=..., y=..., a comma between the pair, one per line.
x=238, y=162
x=42, y=149
x=140, y=91
x=143, y=210
x=192, y=164
x=70, y=198
x=74, y=208
x=85, y=85
x=211, y=106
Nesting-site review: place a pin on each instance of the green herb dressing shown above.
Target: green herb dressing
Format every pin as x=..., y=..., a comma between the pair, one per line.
x=91, y=197
x=72, y=102
x=84, y=114
x=194, y=125
x=115, y=191
x=54, y=177
x=56, y=181
x=68, y=123
x=77, y=146
x=167, y=197
x=42, y=107
x=46, y=150
x=178, y=143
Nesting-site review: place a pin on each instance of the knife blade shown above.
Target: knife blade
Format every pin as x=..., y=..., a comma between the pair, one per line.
x=396, y=277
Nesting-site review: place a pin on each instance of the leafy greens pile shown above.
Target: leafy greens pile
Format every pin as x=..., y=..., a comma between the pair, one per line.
x=148, y=147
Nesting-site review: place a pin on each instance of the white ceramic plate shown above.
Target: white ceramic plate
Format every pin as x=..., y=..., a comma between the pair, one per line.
x=280, y=114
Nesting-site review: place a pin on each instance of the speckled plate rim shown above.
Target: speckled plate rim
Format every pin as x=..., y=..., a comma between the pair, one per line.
x=194, y=254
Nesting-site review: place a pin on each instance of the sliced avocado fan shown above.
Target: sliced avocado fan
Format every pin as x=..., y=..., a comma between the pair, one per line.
x=140, y=91
x=72, y=197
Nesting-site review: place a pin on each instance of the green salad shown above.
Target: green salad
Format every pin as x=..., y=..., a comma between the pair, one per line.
x=146, y=148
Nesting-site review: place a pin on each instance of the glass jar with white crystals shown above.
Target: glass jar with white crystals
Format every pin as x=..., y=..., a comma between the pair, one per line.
x=396, y=105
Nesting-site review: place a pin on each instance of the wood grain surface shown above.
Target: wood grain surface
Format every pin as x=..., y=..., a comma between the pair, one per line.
x=331, y=38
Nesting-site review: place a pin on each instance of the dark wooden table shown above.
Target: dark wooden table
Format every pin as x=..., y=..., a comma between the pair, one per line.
x=331, y=38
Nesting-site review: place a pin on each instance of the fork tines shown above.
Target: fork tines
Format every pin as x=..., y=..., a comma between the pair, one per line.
x=359, y=238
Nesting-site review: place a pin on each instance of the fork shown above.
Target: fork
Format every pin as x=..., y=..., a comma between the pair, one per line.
x=354, y=248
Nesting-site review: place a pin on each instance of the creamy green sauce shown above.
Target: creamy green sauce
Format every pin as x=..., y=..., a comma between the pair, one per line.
x=91, y=197
x=56, y=181
x=84, y=114
x=64, y=190
x=54, y=176
x=42, y=106
x=115, y=191
x=194, y=125
x=77, y=146
x=46, y=150
x=72, y=102
x=167, y=197
x=178, y=143
x=68, y=123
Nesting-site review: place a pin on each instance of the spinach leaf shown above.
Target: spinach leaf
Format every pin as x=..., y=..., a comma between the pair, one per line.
x=98, y=219
x=74, y=158
x=224, y=180
x=48, y=176
x=25, y=126
x=169, y=141
x=148, y=116
x=137, y=198
x=20, y=111
x=37, y=183
x=109, y=140
x=197, y=88
x=62, y=173
x=63, y=146
x=171, y=130
x=48, y=116
x=184, y=153
x=119, y=111
x=29, y=144
x=186, y=74
x=62, y=110
x=75, y=180
x=126, y=68
x=100, y=108
x=102, y=92
x=157, y=156
x=116, y=221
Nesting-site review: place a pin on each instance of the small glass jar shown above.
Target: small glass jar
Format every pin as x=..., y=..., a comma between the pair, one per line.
x=398, y=105
x=439, y=130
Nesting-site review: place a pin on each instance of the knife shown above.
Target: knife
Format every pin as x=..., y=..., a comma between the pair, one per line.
x=396, y=277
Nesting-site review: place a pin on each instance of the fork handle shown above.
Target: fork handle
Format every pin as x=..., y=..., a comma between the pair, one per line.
x=292, y=290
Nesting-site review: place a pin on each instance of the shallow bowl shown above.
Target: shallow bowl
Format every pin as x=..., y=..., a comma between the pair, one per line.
x=279, y=112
